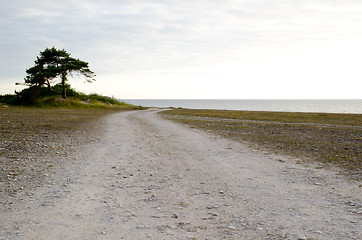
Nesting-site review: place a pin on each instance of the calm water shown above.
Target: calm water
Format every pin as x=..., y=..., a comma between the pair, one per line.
x=326, y=106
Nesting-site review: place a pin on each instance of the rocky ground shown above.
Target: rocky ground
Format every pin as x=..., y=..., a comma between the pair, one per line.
x=141, y=176
x=34, y=141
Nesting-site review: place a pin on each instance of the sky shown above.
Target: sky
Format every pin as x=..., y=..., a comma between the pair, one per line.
x=200, y=49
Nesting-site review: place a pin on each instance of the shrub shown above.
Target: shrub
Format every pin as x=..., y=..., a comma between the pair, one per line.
x=43, y=97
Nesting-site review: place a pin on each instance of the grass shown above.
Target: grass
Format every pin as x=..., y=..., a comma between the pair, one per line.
x=99, y=102
x=285, y=117
x=328, y=138
x=44, y=98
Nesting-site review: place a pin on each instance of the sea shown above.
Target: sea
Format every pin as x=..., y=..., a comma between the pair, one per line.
x=310, y=105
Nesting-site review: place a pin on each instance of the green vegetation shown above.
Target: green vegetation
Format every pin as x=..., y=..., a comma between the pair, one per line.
x=328, y=138
x=54, y=65
x=48, y=99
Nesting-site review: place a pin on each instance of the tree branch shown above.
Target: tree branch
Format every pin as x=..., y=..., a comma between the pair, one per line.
x=51, y=89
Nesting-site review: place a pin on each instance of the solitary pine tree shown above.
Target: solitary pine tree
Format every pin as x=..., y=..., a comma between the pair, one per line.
x=52, y=66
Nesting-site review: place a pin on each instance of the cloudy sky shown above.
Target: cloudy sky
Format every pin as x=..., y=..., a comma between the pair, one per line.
x=228, y=49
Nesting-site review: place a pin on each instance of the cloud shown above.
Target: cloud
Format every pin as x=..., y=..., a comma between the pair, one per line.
x=132, y=37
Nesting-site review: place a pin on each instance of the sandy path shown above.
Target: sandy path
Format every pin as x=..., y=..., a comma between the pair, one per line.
x=151, y=178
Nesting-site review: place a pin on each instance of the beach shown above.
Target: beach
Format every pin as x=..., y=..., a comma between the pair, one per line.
x=140, y=176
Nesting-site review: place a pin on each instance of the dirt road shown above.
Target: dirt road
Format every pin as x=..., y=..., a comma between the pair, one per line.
x=149, y=178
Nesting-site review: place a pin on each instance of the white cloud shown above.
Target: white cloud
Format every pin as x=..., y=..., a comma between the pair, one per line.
x=164, y=42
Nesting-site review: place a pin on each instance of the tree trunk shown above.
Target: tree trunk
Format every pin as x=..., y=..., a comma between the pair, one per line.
x=51, y=89
x=64, y=78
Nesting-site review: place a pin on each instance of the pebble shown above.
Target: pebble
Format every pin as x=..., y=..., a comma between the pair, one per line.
x=184, y=223
x=213, y=214
x=205, y=193
x=211, y=207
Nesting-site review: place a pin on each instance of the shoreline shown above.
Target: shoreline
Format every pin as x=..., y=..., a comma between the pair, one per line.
x=353, y=106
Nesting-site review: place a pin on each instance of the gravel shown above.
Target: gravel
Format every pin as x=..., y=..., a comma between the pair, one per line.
x=146, y=177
